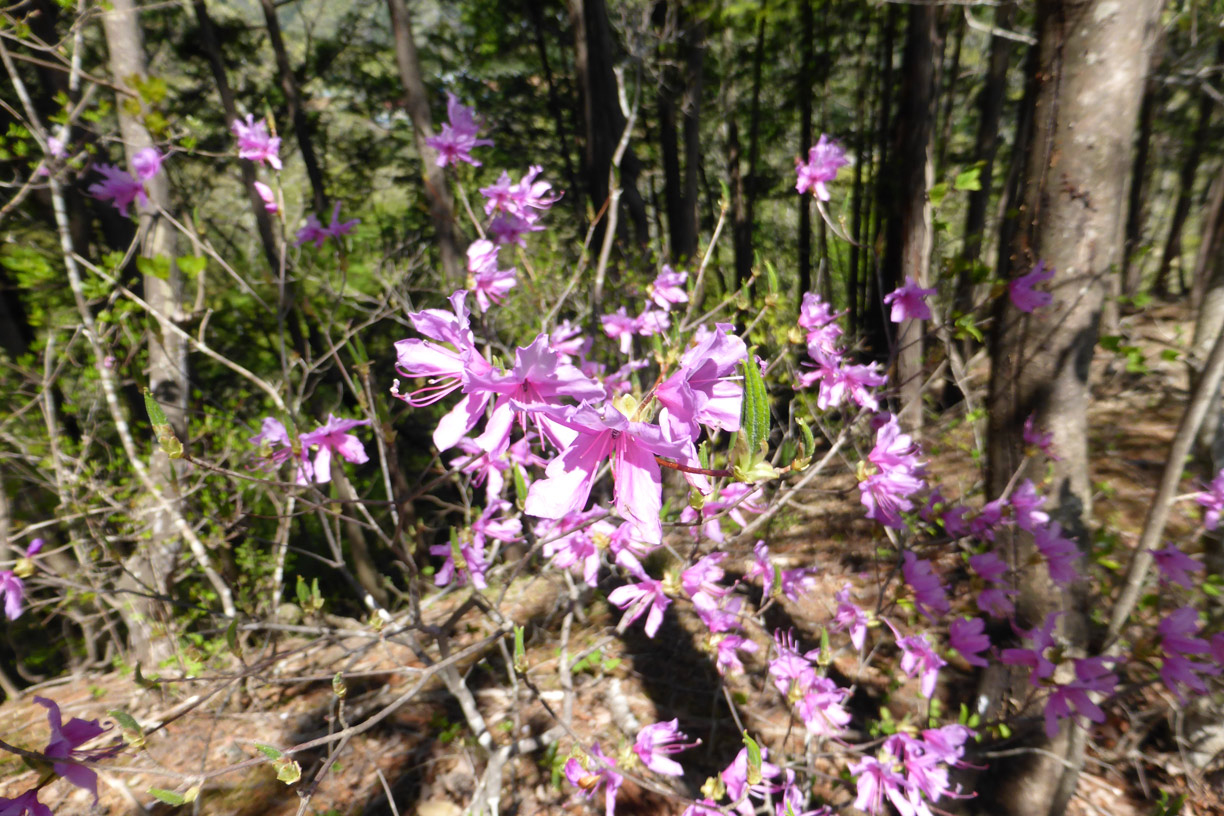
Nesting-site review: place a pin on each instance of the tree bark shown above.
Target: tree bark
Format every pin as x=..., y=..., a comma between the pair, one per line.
x=437, y=193
x=803, y=92
x=1092, y=66
x=297, y=113
x=907, y=253
x=154, y=562
x=555, y=109
x=1138, y=187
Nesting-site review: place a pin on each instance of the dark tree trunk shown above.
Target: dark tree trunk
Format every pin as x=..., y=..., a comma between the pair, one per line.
x=437, y=193
x=297, y=113
x=1185, y=188
x=1090, y=80
x=990, y=109
x=602, y=117
x=862, y=155
x=803, y=91
x=1131, y=270
x=875, y=315
x=908, y=236
x=555, y=109
x=951, y=75
x=692, y=45
x=743, y=268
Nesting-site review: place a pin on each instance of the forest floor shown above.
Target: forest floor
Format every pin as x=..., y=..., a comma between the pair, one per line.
x=426, y=760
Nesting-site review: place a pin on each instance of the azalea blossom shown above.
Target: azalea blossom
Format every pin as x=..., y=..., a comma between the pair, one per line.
x=825, y=158
x=705, y=389
x=636, y=599
x=119, y=188
x=65, y=743
x=485, y=280
x=1023, y=296
x=1042, y=638
x=739, y=790
x=458, y=136
x=1042, y=440
x=593, y=771
x=1175, y=566
x=526, y=199
x=146, y=163
x=1073, y=699
x=333, y=438
x=668, y=288
x=254, y=143
x=26, y=803
x=1212, y=499
x=655, y=742
x=968, y=636
x=850, y=616
x=909, y=302
x=316, y=232
x=930, y=598
x=918, y=657
x=267, y=196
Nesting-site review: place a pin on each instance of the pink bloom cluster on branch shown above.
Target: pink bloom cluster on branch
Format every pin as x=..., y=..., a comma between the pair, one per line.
x=458, y=136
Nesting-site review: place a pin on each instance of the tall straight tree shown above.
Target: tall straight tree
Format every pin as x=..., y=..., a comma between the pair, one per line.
x=908, y=234
x=437, y=193
x=154, y=563
x=1091, y=68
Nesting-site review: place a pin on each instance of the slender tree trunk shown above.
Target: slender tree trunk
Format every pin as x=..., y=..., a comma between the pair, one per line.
x=743, y=269
x=1092, y=67
x=862, y=158
x=154, y=563
x=603, y=120
x=555, y=108
x=951, y=75
x=1131, y=270
x=692, y=44
x=990, y=109
x=803, y=92
x=907, y=253
x=437, y=193
x=1185, y=188
x=1212, y=238
x=875, y=315
x=1008, y=211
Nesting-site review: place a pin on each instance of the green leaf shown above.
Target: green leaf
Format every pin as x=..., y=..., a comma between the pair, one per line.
x=771, y=277
x=520, y=487
x=168, y=796
x=339, y=688
x=269, y=751
x=156, y=267
x=937, y=194
x=969, y=179
x=191, y=265
x=754, y=418
x=520, y=650
x=287, y=770
x=231, y=638
x=754, y=760
x=156, y=415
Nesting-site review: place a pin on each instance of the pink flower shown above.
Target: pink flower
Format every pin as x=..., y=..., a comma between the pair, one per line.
x=909, y=302
x=146, y=163
x=918, y=657
x=726, y=656
x=989, y=566
x=1059, y=552
x=735, y=777
x=968, y=636
x=254, y=143
x=526, y=199
x=315, y=231
x=13, y=590
x=1039, y=439
x=930, y=599
x=825, y=158
x=511, y=229
x=1021, y=291
x=822, y=708
x=268, y=196
x=668, y=288
x=594, y=770
x=704, y=390
x=619, y=326
x=850, y=616
x=489, y=283
x=655, y=741
x=637, y=598
x=66, y=741
x=1026, y=503
x=331, y=439
x=273, y=437
x=876, y=780
x=458, y=137
x=1213, y=500
x=119, y=187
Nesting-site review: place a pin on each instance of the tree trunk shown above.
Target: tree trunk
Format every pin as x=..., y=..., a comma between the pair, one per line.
x=555, y=109
x=803, y=92
x=1091, y=71
x=862, y=158
x=602, y=117
x=154, y=562
x=437, y=193
x=1131, y=270
x=692, y=44
x=297, y=113
x=743, y=268
x=907, y=253
x=1185, y=188
x=990, y=110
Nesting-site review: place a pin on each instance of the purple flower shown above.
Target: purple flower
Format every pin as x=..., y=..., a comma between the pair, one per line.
x=13, y=590
x=1060, y=553
x=655, y=741
x=668, y=288
x=508, y=228
x=886, y=493
x=619, y=326
x=26, y=803
x=1026, y=503
x=484, y=278
x=333, y=438
x=968, y=636
x=876, y=780
x=274, y=438
x=1175, y=566
x=635, y=599
x=146, y=163
x=254, y=143
x=1021, y=291
x=930, y=599
x=704, y=390
x=989, y=566
x=594, y=770
x=850, y=616
x=267, y=196
x=824, y=160
x=909, y=302
x=1091, y=675
x=119, y=187
x=470, y=565
x=458, y=137
x=918, y=657
x=1034, y=657
x=315, y=231
x=1213, y=500
x=65, y=743
x=526, y=199
x=822, y=708
x=1039, y=439
x=735, y=778
x=725, y=648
